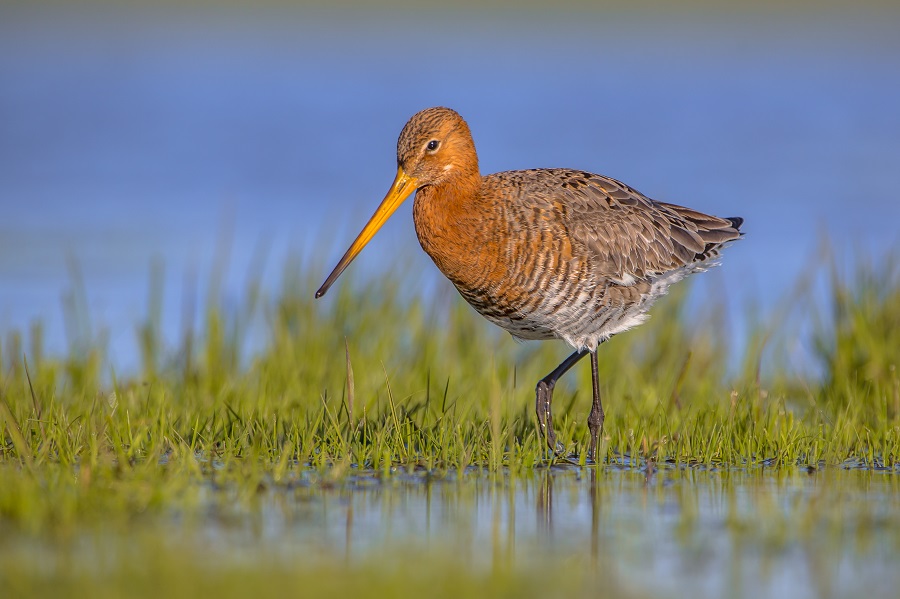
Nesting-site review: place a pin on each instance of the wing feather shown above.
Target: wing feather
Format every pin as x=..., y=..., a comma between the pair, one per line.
x=628, y=234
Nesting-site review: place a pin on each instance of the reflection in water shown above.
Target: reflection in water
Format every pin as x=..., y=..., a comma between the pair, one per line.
x=690, y=533
x=545, y=504
x=706, y=533
x=595, y=514
x=348, y=536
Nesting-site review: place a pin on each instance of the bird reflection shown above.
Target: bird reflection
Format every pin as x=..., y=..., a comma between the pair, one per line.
x=545, y=504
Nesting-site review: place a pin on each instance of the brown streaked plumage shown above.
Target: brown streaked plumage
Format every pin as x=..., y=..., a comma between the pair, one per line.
x=543, y=253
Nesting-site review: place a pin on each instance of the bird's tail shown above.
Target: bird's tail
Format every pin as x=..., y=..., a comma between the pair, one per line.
x=736, y=221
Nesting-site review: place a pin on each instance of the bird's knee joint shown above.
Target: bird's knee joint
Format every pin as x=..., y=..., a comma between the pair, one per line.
x=543, y=387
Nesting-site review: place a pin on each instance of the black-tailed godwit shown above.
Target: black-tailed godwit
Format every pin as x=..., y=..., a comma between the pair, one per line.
x=543, y=253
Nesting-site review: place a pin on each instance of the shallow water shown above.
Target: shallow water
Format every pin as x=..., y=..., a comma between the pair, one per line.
x=684, y=532
x=196, y=136
x=705, y=533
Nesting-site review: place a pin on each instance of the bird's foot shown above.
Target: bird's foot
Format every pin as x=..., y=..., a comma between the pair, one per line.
x=595, y=425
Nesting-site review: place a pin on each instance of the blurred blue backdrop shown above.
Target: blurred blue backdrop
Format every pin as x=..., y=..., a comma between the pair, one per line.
x=133, y=135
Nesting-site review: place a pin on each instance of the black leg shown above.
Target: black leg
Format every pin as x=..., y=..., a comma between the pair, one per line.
x=595, y=418
x=544, y=395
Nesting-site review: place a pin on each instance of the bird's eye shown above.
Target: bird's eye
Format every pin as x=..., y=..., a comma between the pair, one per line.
x=433, y=145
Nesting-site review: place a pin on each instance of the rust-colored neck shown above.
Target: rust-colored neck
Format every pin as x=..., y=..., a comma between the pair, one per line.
x=454, y=225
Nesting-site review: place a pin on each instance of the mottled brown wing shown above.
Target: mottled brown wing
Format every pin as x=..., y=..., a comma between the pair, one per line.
x=632, y=235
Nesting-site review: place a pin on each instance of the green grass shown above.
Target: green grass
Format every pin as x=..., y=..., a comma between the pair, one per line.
x=371, y=382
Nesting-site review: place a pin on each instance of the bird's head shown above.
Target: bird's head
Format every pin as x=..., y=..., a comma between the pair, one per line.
x=434, y=148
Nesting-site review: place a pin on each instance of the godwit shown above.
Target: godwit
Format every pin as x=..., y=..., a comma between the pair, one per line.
x=543, y=253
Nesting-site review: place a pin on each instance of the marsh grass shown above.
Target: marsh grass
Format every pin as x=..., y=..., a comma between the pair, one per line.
x=113, y=485
x=371, y=380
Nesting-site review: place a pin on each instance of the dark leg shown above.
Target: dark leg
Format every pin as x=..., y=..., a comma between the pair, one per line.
x=544, y=395
x=595, y=418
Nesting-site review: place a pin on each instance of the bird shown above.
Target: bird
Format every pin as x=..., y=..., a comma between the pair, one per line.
x=550, y=253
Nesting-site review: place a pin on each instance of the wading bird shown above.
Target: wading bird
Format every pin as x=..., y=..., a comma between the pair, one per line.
x=543, y=253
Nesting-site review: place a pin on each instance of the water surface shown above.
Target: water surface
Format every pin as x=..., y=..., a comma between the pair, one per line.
x=686, y=532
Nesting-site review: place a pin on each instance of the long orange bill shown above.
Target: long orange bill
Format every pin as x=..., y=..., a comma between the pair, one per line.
x=402, y=187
